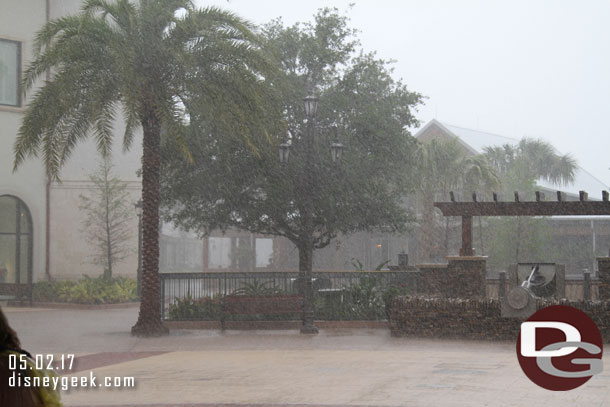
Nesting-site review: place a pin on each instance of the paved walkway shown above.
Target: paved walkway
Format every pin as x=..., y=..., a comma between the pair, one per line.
x=284, y=368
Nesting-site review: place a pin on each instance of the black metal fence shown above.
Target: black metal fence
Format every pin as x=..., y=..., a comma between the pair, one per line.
x=353, y=295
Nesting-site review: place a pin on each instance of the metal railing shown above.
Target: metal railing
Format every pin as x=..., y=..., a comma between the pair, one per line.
x=337, y=295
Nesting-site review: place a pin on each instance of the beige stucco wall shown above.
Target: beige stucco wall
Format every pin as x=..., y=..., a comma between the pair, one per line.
x=19, y=20
x=69, y=253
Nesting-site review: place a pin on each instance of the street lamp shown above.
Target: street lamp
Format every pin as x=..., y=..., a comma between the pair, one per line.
x=138, y=207
x=336, y=149
x=311, y=105
x=285, y=150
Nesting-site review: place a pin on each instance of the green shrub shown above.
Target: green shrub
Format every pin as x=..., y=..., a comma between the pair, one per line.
x=188, y=308
x=368, y=301
x=257, y=288
x=89, y=290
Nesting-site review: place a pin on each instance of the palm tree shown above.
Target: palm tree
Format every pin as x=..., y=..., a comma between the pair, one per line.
x=531, y=160
x=161, y=62
x=520, y=166
x=439, y=164
x=443, y=166
x=479, y=175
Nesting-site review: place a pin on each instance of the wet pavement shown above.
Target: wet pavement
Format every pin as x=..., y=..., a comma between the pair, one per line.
x=355, y=367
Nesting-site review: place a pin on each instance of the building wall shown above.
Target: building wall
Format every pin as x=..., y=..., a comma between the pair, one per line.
x=69, y=252
x=19, y=20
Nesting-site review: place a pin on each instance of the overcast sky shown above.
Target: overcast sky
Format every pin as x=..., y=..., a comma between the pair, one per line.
x=515, y=68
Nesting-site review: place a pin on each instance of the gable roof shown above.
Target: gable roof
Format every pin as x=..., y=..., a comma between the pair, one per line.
x=475, y=141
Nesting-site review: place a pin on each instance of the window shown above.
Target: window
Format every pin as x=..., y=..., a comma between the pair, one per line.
x=15, y=241
x=219, y=252
x=264, y=252
x=10, y=72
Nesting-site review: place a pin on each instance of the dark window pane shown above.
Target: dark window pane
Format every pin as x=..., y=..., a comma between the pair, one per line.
x=8, y=251
x=8, y=212
x=9, y=72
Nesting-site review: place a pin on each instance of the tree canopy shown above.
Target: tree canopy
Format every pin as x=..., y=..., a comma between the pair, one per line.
x=229, y=185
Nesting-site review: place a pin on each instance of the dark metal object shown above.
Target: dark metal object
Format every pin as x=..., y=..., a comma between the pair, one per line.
x=403, y=260
x=308, y=327
x=308, y=181
x=502, y=285
x=520, y=302
x=336, y=148
x=534, y=279
x=217, y=285
x=284, y=150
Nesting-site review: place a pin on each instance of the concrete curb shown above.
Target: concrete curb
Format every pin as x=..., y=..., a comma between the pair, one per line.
x=66, y=305
x=275, y=325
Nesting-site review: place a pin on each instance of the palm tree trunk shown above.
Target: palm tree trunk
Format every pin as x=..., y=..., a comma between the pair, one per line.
x=518, y=240
x=446, y=244
x=108, y=272
x=427, y=228
x=149, y=320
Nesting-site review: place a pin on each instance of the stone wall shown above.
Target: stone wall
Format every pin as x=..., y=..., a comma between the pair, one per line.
x=432, y=279
x=603, y=264
x=451, y=318
x=474, y=318
x=574, y=289
x=461, y=277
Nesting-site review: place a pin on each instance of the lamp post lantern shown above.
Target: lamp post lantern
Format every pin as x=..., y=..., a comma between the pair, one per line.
x=306, y=244
x=284, y=151
x=336, y=148
x=138, y=207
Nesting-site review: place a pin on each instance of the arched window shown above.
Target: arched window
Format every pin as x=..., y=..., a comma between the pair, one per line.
x=15, y=241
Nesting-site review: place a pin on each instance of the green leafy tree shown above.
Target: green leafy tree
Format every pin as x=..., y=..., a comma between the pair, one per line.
x=160, y=63
x=515, y=239
x=310, y=199
x=107, y=225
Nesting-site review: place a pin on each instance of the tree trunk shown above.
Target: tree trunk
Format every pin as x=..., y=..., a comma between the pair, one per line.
x=446, y=236
x=149, y=320
x=427, y=228
x=518, y=239
x=108, y=271
x=306, y=285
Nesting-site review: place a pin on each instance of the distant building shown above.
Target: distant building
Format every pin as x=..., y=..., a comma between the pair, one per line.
x=578, y=239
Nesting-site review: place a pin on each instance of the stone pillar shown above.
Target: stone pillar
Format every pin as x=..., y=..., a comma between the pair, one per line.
x=603, y=266
x=467, y=276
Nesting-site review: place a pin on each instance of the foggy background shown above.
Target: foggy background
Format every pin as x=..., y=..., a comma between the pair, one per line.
x=516, y=68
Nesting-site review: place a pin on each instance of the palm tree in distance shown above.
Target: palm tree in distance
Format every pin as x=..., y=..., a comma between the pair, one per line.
x=530, y=160
x=519, y=167
x=159, y=62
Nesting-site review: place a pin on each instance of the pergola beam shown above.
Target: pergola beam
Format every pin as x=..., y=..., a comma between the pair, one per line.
x=561, y=207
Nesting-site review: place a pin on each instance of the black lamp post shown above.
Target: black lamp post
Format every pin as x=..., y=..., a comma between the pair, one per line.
x=306, y=246
x=138, y=207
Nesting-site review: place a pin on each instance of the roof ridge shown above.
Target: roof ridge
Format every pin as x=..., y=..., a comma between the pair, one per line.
x=479, y=131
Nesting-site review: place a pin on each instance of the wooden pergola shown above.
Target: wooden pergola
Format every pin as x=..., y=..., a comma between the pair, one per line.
x=540, y=207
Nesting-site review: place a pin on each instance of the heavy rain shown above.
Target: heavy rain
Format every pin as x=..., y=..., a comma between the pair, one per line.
x=238, y=203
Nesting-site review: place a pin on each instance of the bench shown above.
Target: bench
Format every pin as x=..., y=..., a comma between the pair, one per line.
x=260, y=305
